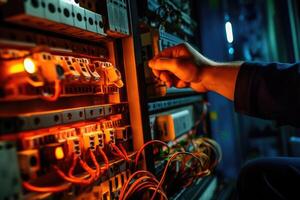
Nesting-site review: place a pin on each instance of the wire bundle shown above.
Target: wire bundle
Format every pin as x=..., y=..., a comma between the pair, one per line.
x=183, y=166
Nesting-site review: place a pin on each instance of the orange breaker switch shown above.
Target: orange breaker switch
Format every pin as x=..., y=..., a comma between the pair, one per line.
x=112, y=74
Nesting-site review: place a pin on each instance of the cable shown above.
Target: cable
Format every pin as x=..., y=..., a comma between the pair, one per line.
x=56, y=94
x=78, y=181
x=87, y=168
x=72, y=168
x=59, y=188
x=166, y=168
x=139, y=172
x=105, y=159
x=119, y=152
x=137, y=182
x=123, y=151
x=145, y=145
x=94, y=174
x=98, y=169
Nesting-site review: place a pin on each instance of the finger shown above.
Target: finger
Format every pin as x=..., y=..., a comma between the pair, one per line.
x=176, y=51
x=165, y=76
x=181, y=84
x=164, y=64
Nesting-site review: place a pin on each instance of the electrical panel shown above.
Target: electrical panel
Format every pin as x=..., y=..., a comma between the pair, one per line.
x=73, y=112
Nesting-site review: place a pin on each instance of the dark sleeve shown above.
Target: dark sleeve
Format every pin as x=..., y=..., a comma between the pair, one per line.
x=269, y=91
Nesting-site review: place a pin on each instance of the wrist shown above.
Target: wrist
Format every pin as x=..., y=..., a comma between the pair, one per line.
x=221, y=78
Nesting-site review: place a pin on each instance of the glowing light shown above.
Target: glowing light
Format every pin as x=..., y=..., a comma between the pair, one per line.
x=29, y=66
x=16, y=68
x=231, y=51
x=59, y=153
x=229, y=33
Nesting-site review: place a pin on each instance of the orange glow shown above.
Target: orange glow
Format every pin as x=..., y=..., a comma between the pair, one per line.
x=29, y=66
x=59, y=153
x=16, y=68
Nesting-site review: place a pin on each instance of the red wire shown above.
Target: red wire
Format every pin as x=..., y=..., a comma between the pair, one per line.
x=34, y=188
x=87, y=168
x=73, y=180
x=145, y=145
x=72, y=168
x=124, y=151
x=98, y=169
x=124, y=188
x=57, y=91
x=105, y=159
x=166, y=169
x=119, y=152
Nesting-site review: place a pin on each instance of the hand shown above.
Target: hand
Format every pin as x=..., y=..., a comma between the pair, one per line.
x=182, y=66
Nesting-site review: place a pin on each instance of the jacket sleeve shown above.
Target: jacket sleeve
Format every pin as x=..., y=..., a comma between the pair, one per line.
x=269, y=91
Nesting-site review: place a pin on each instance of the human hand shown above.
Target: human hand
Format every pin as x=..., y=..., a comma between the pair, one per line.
x=182, y=66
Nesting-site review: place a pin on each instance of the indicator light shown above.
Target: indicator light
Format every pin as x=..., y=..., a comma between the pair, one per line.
x=59, y=153
x=29, y=66
x=229, y=32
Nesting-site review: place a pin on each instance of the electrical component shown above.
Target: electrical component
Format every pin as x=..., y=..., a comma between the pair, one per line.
x=81, y=68
x=29, y=66
x=29, y=162
x=174, y=124
x=73, y=146
x=58, y=16
x=51, y=153
x=90, y=141
x=92, y=70
x=121, y=133
x=117, y=17
x=106, y=190
x=112, y=74
x=109, y=135
x=71, y=73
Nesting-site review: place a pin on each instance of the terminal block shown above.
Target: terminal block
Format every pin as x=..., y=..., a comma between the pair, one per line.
x=29, y=162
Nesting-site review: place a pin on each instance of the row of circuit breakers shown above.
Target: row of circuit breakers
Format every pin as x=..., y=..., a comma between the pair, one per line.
x=56, y=137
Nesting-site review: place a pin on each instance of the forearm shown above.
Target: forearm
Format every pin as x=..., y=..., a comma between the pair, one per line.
x=269, y=91
x=222, y=78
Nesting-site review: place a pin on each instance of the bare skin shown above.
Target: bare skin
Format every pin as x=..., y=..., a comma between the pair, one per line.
x=182, y=66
